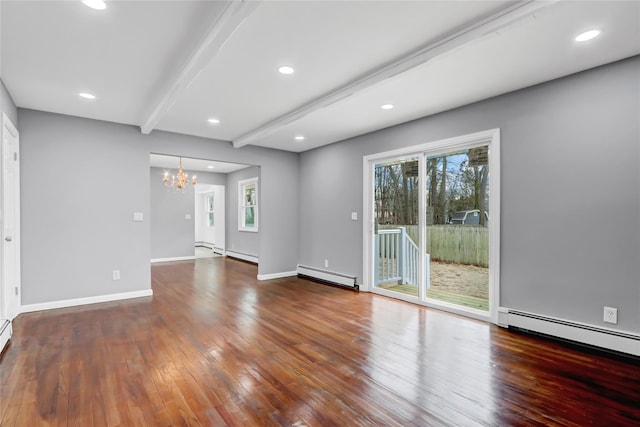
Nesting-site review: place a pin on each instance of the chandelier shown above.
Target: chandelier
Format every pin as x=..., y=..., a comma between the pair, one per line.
x=179, y=180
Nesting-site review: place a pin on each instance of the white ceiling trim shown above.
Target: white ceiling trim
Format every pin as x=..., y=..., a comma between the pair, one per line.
x=495, y=22
x=222, y=28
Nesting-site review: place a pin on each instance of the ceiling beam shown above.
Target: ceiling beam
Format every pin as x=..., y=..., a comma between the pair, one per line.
x=493, y=23
x=221, y=29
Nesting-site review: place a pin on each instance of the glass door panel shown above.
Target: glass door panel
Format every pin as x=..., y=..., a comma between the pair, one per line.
x=457, y=234
x=396, y=231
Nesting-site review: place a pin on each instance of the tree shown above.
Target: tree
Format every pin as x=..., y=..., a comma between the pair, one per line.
x=396, y=193
x=455, y=182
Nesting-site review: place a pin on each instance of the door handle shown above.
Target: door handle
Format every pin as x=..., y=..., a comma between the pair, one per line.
x=8, y=238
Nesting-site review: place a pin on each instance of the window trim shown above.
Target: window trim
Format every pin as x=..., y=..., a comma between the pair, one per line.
x=242, y=185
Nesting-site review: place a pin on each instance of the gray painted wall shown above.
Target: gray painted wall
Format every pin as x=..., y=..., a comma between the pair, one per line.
x=570, y=193
x=212, y=178
x=242, y=241
x=7, y=105
x=83, y=179
x=172, y=235
x=285, y=214
x=81, y=182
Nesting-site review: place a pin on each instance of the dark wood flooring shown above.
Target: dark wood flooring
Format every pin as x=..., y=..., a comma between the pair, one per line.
x=216, y=347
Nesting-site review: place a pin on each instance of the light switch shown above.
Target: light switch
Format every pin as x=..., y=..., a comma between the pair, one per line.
x=354, y=216
x=187, y=216
x=138, y=216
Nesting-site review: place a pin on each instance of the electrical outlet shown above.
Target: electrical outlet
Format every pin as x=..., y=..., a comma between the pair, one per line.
x=115, y=274
x=611, y=315
x=326, y=263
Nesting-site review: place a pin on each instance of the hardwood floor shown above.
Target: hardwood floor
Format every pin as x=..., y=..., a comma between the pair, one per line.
x=216, y=347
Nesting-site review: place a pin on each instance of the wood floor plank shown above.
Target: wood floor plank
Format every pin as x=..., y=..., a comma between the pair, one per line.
x=216, y=347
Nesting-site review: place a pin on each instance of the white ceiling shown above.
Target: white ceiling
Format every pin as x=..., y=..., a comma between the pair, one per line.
x=171, y=65
x=193, y=165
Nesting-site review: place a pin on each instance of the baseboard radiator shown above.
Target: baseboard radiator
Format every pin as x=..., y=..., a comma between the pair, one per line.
x=216, y=249
x=328, y=276
x=610, y=339
x=204, y=244
x=243, y=256
x=5, y=333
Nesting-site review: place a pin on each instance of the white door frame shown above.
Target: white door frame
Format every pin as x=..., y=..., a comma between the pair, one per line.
x=10, y=205
x=492, y=139
x=221, y=219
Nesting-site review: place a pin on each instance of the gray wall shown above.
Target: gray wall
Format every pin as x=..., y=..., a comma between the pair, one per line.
x=212, y=178
x=570, y=193
x=242, y=241
x=172, y=235
x=83, y=179
x=7, y=105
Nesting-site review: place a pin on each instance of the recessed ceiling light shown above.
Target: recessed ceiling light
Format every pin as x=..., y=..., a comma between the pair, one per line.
x=588, y=35
x=387, y=106
x=299, y=138
x=87, y=95
x=211, y=167
x=213, y=121
x=95, y=4
x=285, y=69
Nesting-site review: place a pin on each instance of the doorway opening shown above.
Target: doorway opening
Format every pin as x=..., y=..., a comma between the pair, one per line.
x=189, y=221
x=209, y=220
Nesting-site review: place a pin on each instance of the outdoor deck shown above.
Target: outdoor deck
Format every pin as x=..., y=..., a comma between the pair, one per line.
x=462, y=280
x=450, y=297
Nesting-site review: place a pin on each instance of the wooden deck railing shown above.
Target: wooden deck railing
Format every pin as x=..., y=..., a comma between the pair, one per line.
x=398, y=257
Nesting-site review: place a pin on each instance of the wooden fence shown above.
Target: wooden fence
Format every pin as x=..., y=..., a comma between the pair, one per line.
x=463, y=244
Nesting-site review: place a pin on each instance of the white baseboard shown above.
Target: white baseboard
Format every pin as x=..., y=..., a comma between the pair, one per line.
x=177, y=258
x=245, y=257
x=607, y=338
x=328, y=276
x=272, y=276
x=82, y=301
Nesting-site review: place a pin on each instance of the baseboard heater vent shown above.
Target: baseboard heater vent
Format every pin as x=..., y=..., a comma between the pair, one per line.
x=611, y=339
x=328, y=276
x=243, y=256
x=5, y=333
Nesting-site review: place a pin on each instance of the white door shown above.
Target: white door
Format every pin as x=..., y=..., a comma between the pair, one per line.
x=10, y=218
x=209, y=216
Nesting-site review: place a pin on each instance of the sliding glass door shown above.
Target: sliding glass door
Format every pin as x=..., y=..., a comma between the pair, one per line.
x=433, y=224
